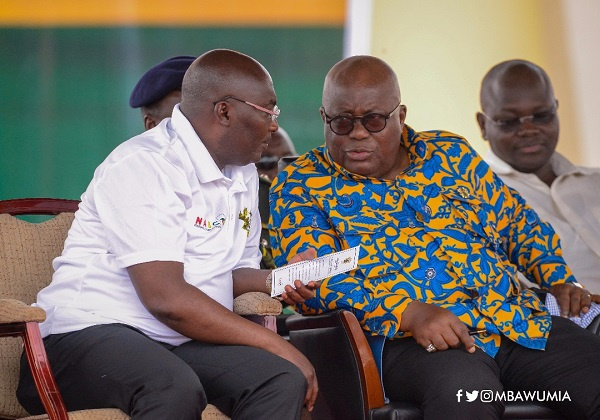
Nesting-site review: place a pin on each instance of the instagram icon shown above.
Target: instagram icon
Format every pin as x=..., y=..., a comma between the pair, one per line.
x=486, y=396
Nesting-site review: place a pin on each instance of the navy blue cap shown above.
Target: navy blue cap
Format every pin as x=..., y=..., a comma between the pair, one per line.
x=160, y=80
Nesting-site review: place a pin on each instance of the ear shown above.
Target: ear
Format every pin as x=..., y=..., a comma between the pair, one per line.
x=402, y=114
x=150, y=122
x=223, y=113
x=481, y=121
x=323, y=117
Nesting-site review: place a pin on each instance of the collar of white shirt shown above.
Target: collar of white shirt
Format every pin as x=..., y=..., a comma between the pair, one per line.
x=560, y=164
x=204, y=165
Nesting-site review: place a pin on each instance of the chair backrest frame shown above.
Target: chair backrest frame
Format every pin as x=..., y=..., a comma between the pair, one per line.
x=38, y=206
x=29, y=331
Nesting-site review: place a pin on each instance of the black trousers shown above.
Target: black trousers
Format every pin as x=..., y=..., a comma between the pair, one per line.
x=117, y=366
x=435, y=381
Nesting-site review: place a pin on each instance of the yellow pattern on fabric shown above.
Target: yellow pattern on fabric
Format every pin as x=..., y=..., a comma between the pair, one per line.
x=447, y=232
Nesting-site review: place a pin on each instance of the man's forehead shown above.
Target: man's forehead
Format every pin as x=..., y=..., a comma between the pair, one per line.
x=515, y=92
x=253, y=88
x=518, y=78
x=356, y=79
x=349, y=96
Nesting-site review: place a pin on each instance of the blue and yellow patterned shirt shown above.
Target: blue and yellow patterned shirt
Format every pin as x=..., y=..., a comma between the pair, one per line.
x=447, y=232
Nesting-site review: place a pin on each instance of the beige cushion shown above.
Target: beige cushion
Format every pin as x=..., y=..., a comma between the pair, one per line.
x=12, y=310
x=256, y=303
x=213, y=413
x=99, y=414
x=210, y=413
x=26, y=254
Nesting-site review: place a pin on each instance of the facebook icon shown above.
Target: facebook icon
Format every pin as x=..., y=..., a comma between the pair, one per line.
x=459, y=394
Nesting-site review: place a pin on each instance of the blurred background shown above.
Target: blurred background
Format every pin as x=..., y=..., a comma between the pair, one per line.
x=68, y=67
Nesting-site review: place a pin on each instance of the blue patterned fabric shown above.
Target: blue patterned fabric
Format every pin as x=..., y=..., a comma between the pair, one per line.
x=446, y=232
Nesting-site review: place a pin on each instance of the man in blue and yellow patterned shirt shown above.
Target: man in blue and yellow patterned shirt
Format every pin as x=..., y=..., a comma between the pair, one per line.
x=442, y=239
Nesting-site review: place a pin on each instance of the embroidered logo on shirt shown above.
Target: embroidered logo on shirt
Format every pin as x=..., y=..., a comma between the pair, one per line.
x=246, y=217
x=205, y=224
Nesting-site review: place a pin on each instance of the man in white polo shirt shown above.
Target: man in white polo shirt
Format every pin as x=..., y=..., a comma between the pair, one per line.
x=139, y=309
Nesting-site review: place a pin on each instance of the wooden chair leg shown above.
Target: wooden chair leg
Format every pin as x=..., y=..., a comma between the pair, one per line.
x=42, y=375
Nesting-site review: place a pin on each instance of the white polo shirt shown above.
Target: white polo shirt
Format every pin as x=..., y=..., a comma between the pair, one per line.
x=157, y=197
x=571, y=205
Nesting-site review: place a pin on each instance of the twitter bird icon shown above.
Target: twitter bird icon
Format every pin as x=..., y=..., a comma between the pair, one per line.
x=471, y=396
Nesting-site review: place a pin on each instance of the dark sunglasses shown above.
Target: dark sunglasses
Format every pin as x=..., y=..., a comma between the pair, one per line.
x=373, y=122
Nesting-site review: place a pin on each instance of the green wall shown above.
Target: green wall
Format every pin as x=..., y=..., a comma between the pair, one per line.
x=64, y=92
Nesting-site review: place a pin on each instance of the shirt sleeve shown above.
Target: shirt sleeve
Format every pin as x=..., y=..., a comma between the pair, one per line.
x=530, y=243
x=141, y=208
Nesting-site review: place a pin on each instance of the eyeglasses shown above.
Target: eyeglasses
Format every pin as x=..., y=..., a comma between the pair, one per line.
x=274, y=113
x=514, y=124
x=373, y=122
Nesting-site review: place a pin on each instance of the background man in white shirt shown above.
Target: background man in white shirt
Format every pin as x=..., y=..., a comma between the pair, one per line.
x=519, y=119
x=139, y=309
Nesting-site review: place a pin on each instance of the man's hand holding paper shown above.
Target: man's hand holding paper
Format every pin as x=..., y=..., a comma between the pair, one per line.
x=297, y=281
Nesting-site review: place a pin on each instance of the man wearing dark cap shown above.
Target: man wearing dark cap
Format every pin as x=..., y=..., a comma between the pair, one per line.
x=167, y=234
x=159, y=89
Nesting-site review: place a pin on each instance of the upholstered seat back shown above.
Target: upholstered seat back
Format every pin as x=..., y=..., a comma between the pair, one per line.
x=26, y=254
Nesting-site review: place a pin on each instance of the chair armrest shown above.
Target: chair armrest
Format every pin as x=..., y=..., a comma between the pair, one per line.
x=349, y=382
x=595, y=325
x=256, y=303
x=309, y=322
x=258, y=307
x=12, y=310
x=18, y=319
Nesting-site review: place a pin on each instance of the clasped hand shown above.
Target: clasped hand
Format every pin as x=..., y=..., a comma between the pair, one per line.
x=433, y=325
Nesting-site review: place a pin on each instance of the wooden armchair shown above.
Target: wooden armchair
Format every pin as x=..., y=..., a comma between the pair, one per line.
x=349, y=383
x=26, y=253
